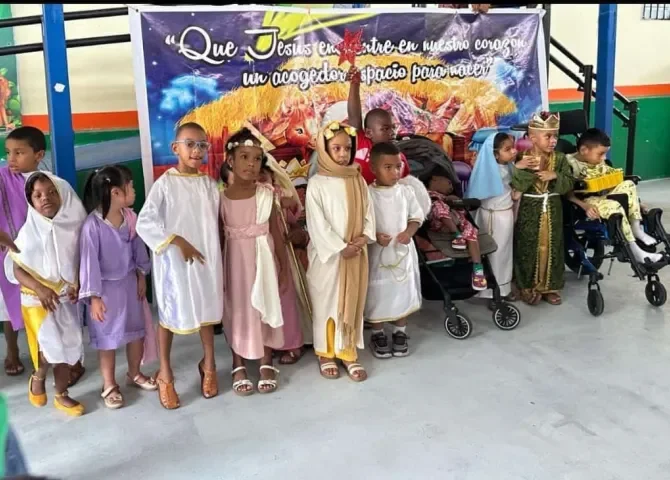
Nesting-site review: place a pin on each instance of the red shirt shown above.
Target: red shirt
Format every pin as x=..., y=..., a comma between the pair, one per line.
x=363, y=148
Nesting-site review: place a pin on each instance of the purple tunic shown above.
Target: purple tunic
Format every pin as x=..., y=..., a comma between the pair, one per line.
x=109, y=261
x=14, y=211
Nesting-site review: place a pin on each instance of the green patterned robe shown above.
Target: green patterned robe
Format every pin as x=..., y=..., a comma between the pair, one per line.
x=538, y=234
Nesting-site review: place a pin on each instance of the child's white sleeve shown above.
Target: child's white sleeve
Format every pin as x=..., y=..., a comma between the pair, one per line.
x=420, y=192
x=326, y=242
x=369, y=226
x=415, y=212
x=150, y=222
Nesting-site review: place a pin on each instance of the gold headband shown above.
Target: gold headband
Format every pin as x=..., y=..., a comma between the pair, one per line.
x=334, y=126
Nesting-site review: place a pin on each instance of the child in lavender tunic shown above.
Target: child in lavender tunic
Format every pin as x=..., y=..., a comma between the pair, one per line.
x=114, y=263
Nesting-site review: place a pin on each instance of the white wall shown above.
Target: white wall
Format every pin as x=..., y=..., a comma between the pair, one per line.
x=101, y=78
x=639, y=42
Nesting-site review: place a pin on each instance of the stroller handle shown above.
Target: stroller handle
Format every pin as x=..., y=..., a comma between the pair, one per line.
x=465, y=203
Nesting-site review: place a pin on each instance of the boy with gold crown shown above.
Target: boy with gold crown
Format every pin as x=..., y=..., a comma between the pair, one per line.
x=542, y=176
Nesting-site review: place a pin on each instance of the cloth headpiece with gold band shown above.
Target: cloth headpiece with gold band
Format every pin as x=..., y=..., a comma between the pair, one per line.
x=545, y=121
x=334, y=127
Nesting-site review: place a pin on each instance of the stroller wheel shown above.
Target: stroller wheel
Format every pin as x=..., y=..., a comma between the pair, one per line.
x=458, y=326
x=595, y=302
x=656, y=293
x=507, y=317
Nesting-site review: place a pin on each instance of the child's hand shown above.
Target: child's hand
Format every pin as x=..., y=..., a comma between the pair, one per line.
x=383, y=239
x=404, y=238
x=7, y=242
x=73, y=295
x=98, y=309
x=350, y=251
x=48, y=298
x=526, y=162
x=188, y=251
x=288, y=203
x=141, y=286
x=360, y=242
x=591, y=212
x=546, y=176
x=354, y=75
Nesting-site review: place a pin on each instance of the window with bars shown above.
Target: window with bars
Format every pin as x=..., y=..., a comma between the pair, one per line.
x=656, y=11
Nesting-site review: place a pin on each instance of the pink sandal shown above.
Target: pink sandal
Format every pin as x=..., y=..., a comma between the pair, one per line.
x=479, y=282
x=459, y=243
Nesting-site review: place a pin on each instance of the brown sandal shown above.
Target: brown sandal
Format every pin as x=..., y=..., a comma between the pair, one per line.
x=531, y=297
x=208, y=382
x=76, y=372
x=167, y=394
x=291, y=357
x=552, y=298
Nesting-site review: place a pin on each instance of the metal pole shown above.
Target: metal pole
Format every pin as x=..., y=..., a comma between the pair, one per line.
x=74, y=43
x=546, y=26
x=632, y=130
x=84, y=15
x=606, y=57
x=588, y=91
x=58, y=92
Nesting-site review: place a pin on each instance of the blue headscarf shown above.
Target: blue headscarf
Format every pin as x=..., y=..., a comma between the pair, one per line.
x=485, y=180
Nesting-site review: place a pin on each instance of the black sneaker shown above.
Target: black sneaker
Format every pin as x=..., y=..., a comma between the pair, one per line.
x=400, y=345
x=379, y=345
x=218, y=329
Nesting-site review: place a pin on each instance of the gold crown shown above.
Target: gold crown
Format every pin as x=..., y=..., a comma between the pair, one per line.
x=545, y=121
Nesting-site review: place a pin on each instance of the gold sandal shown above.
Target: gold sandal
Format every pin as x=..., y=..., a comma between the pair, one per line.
x=167, y=394
x=36, y=400
x=76, y=410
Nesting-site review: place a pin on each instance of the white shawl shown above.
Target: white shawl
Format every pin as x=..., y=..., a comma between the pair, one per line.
x=49, y=248
x=265, y=290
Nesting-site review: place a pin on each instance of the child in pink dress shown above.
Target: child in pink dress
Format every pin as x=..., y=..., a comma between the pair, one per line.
x=252, y=266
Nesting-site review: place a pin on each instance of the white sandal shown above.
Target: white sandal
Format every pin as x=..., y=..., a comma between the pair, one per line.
x=268, y=383
x=242, y=383
x=112, y=397
x=352, y=368
x=329, y=366
x=149, y=385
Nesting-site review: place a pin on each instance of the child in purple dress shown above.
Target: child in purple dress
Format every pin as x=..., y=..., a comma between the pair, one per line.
x=113, y=266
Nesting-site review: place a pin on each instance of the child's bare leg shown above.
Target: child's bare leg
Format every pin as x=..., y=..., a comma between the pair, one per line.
x=473, y=250
x=207, y=339
x=62, y=377
x=240, y=374
x=134, y=352
x=13, y=365
x=107, y=368
x=38, y=383
x=165, y=347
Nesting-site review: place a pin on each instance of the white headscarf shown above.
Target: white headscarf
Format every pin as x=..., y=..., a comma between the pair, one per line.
x=50, y=247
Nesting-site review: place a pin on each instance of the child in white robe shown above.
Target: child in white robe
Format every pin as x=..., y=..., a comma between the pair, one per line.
x=490, y=182
x=47, y=268
x=179, y=222
x=341, y=224
x=394, y=286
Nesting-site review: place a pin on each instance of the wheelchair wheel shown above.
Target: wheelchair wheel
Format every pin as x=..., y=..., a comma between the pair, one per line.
x=507, y=317
x=595, y=302
x=573, y=259
x=656, y=293
x=458, y=326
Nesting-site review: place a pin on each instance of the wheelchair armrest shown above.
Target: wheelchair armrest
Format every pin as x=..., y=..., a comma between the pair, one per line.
x=633, y=178
x=465, y=203
x=579, y=185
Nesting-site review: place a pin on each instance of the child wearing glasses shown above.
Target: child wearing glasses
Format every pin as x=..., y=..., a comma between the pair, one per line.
x=179, y=222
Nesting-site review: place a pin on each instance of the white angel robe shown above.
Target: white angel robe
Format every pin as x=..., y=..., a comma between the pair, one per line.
x=49, y=252
x=496, y=217
x=189, y=295
x=327, y=213
x=394, y=288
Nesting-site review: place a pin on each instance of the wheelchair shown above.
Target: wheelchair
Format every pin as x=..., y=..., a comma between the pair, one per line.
x=587, y=241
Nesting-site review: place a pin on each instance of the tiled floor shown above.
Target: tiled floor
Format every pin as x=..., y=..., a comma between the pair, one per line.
x=564, y=396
